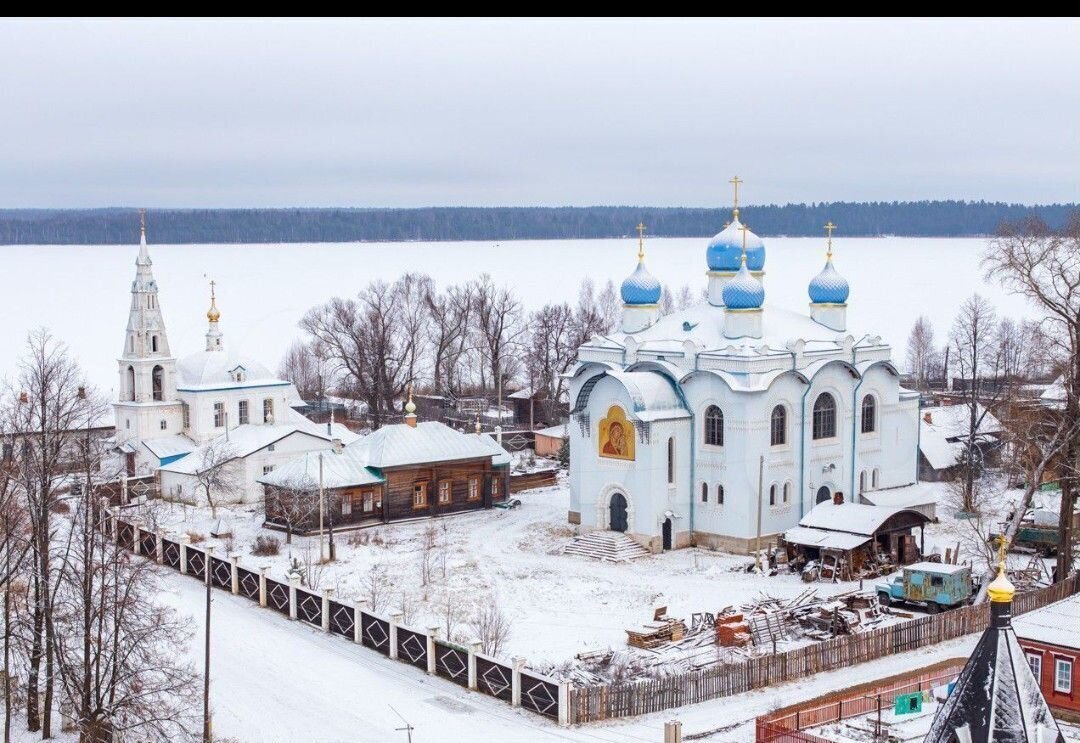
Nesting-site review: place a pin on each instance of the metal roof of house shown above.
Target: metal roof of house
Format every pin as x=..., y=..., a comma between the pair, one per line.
x=238, y=443
x=853, y=518
x=339, y=471
x=938, y=436
x=1055, y=624
x=824, y=539
x=170, y=446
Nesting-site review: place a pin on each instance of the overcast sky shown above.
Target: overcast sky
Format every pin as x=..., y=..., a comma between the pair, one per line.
x=402, y=113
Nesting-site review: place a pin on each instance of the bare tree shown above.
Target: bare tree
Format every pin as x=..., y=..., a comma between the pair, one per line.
x=15, y=544
x=491, y=627
x=609, y=304
x=498, y=327
x=429, y=547
x=451, y=316
x=377, y=587
x=46, y=408
x=973, y=338
x=685, y=298
x=216, y=475
x=550, y=348
x=1044, y=266
x=120, y=652
x=667, y=301
x=293, y=501
x=376, y=340
x=305, y=365
x=920, y=351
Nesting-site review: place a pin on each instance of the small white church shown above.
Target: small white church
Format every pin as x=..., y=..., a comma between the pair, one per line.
x=212, y=408
x=733, y=419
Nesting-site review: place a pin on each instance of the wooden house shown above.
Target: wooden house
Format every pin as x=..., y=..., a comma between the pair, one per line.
x=1050, y=637
x=400, y=471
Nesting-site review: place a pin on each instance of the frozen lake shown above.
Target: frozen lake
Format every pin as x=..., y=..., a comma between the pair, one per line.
x=82, y=294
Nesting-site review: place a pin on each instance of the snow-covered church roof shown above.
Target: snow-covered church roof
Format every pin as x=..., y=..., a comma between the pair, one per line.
x=216, y=369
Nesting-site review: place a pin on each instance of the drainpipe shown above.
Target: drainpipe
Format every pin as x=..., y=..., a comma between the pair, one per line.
x=855, y=410
x=693, y=447
x=802, y=451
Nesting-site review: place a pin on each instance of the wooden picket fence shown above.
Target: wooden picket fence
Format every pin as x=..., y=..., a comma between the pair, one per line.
x=626, y=699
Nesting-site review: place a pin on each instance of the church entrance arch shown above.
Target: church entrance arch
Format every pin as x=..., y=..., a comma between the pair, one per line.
x=617, y=517
x=823, y=494
x=667, y=534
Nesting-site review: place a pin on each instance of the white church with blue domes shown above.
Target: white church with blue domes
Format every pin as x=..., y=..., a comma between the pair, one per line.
x=689, y=428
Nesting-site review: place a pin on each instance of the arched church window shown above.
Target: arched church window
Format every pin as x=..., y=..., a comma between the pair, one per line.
x=875, y=478
x=268, y=410
x=131, y=383
x=772, y=494
x=671, y=460
x=869, y=414
x=720, y=495
x=787, y=492
x=153, y=343
x=862, y=481
x=778, y=426
x=704, y=492
x=824, y=416
x=714, y=426
x=157, y=381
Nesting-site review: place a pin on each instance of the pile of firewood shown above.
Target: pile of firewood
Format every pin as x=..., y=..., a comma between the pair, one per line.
x=662, y=629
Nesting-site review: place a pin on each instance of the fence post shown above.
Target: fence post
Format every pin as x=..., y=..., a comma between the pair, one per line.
x=234, y=559
x=517, y=664
x=207, y=562
x=673, y=731
x=294, y=581
x=432, y=633
x=160, y=556
x=395, y=619
x=328, y=593
x=474, y=648
x=359, y=607
x=135, y=546
x=263, y=569
x=564, y=702
x=185, y=540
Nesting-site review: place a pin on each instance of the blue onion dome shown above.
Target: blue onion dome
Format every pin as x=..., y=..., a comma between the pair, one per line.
x=828, y=287
x=725, y=249
x=640, y=287
x=744, y=292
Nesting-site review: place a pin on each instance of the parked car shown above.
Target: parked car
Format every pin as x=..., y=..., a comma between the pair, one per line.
x=931, y=586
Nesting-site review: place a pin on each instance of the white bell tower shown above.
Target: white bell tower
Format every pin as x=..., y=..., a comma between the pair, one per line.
x=147, y=406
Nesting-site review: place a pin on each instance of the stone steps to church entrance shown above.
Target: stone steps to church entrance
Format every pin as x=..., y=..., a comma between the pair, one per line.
x=609, y=546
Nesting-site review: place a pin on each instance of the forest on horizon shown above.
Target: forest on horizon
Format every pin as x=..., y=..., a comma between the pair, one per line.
x=119, y=225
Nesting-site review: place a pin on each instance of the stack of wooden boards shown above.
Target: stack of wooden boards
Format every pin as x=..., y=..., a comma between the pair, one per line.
x=661, y=630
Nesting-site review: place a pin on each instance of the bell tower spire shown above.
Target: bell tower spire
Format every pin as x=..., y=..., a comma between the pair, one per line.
x=214, y=339
x=147, y=404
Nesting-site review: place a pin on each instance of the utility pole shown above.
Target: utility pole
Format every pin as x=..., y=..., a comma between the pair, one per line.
x=760, y=494
x=322, y=551
x=207, y=734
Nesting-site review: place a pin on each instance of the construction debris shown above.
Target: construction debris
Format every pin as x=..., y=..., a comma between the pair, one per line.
x=662, y=629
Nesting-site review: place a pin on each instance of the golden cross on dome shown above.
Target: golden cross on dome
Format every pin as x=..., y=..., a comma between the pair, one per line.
x=1003, y=543
x=640, y=241
x=744, y=229
x=830, y=227
x=735, y=182
x=142, y=220
x=212, y=285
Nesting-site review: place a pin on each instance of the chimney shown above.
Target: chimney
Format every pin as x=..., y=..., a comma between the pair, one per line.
x=838, y=498
x=928, y=419
x=338, y=445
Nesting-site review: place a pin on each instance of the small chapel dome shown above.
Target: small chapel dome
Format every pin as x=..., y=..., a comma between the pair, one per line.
x=744, y=292
x=828, y=287
x=640, y=287
x=725, y=249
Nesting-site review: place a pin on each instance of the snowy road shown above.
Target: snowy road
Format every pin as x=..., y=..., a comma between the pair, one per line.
x=276, y=681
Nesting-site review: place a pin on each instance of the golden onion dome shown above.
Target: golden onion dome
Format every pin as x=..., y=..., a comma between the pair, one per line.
x=1001, y=590
x=213, y=314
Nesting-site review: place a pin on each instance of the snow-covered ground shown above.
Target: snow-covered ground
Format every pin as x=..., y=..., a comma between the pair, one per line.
x=263, y=290
x=276, y=681
x=559, y=605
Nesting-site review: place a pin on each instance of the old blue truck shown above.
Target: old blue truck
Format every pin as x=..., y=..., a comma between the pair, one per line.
x=930, y=586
